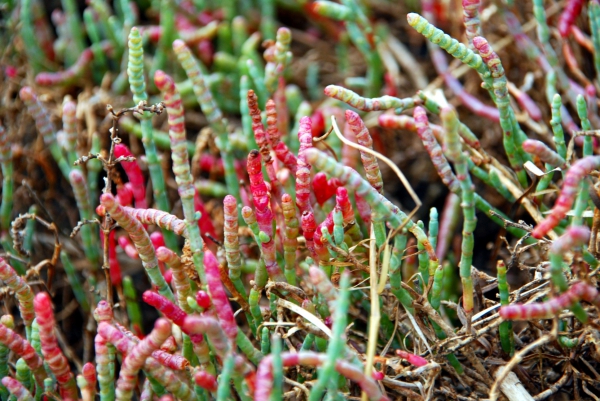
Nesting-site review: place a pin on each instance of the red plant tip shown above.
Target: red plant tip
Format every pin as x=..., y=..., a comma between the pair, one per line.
x=178, y=44
x=76, y=176
x=163, y=82
x=318, y=123
x=413, y=359
x=42, y=301
x=10, y=71
x=328, y=321
x=203, y=299
x=103, y=312
x=168, y=276
x=168, y=308
x=100, y=210
x=378, y=375
x=206, y=381
x=26, y=94
x=162, y=325
x=108, y=201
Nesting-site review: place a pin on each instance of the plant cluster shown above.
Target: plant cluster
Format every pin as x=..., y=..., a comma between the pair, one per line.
x=280, y=266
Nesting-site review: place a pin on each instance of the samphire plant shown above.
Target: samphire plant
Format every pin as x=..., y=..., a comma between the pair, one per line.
x=234, y=237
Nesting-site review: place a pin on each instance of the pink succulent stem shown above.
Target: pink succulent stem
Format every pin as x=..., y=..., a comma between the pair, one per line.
x=212, y=328
x=303, y=189
x=175, y=362
x=23, y=349
x=542, y=151
x=305, y=139
x=468, y=100
x=126, y=244
x=135, y=176
x=181, y=281
x=219, y=296
x=165, y=376
x=264, y=375
x=205, y=222
x=66, y=76
x=413, y=359
x=206, y=381
x=364, y=210
x=309, y=226
x=320, y=247
x=170, y=310
x=448, y=223
x=21, y=289
x=263, y=141
x=527, y=104
x=349, y=154
x=570, y=187
x=158, y=241
x=542, y=310
x=471, y=19
x=281, y=150
x=364, y=138
x=264, y=215
x=58, y=364
x=69, y=119
x=159, y=218
x=89, y=374
x=323, y=188
x=136, y=358
x=435, y=151
x=260, y=194
x=17, y=389
x=569, y=15
x=409, y=124
x=125, y=194
x=142, y=242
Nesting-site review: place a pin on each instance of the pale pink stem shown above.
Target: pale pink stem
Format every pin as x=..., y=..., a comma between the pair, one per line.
x=541, y=310
x=206, y=381
x=369, y=161
x=205, y=223
x=309, y=226
x=159, y=218
x=135, y=176
x=363, y=208
x=303, y=189
x=181, y=281
x=577, y=172
x=264, y=375
x=448, y=224
x=125, y=194
x=16, y=389
x=212, y=328
x=320, y=247
x=126, y=244
x=21, y=289
x=305, y=138
x=136, y=358
x=219, y=296
x=409, y=124
x=542, y=151
x=323, y=188
x=158, y=241
x=23, y=349
x=53, y=356
x=349, y=154
x=435, y=151
x=413, y=359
